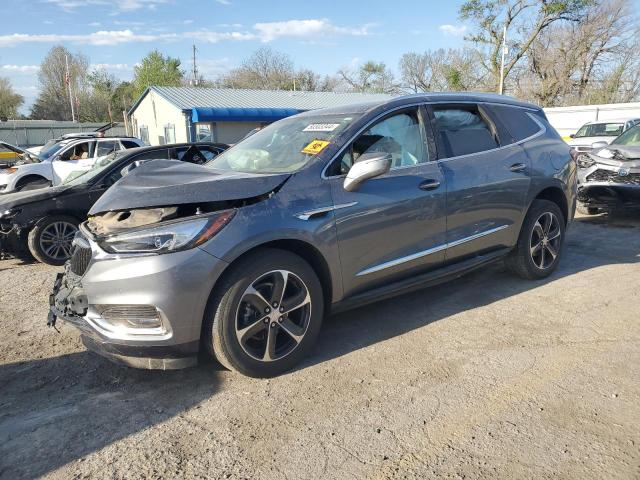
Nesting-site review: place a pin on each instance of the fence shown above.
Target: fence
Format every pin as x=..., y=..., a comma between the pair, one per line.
x=29, y=133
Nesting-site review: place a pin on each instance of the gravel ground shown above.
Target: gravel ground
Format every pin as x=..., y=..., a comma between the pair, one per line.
x=488, y=376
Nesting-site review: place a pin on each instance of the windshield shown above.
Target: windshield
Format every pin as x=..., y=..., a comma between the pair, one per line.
x=600, y=130
x=78, y=177
x=630, y=138
x=50, y=148
x=283, y=146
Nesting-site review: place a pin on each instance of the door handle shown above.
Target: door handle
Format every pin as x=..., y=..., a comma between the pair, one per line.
x=430, y=184
x=518, y=167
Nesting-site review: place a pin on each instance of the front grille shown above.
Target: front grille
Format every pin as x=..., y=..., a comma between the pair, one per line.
x=80, y=259
x=613, y=177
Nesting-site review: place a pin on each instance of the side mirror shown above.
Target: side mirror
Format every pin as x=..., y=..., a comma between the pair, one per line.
x=368, y=166
x=596, y=145
x=573, y=135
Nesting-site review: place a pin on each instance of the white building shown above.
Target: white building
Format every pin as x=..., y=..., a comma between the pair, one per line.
x=567, y=120
x=183, y=114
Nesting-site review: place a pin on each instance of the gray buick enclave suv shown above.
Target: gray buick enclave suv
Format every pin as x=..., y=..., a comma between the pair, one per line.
x=319, y=212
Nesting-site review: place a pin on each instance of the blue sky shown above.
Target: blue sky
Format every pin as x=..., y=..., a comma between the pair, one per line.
x=116, y=34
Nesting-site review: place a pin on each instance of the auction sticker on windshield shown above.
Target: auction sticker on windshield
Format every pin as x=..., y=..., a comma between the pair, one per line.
x=321, y=127
x=315, y=147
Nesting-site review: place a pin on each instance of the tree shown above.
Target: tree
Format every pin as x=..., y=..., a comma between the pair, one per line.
x=371, y=77
x=53, y=101
x=98, y=99
x=265, y=69
x=123, y=98
x=442, y=70
x=524, y=20
x=156, y=70
x=594, y=60
x=10, y=101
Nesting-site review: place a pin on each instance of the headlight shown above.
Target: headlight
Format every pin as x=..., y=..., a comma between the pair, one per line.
x=584, y=161
x=169, y=237
x=10, y=213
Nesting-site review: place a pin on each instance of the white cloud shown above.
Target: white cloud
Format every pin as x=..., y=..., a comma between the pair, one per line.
x=224, y=2
x=455, y=30
x=20, y=68
x=111, y=67
x=188, y=21
x=310, y=30
x=100, y=38
x=306, y=28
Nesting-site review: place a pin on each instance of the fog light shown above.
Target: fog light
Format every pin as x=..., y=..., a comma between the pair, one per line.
x=130, y=316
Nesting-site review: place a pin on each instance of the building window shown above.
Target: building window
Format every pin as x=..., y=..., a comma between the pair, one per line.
x=170, y=133
x=143, y=133
x=206, y=132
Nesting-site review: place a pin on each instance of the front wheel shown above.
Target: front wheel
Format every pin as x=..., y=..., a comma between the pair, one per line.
x=51, y=239
x=265, y=315
x=34, y=184
x=539, y=246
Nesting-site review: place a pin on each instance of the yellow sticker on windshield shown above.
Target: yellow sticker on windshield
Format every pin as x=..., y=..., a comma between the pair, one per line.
x=315, y=147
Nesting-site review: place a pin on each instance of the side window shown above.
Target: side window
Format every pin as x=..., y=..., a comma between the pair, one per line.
x=170, y=133
x=106, y=147
x=516, y=120
x=462, y=131
x=114, y=176
x=208, y=153
x=79, y=151
x=399, y=135
x=143, y=133
x=129, y=144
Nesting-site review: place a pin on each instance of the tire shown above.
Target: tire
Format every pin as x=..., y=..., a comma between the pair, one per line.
x=32, y=184
x=43, y=237
x=532, y=258
x=229, y=314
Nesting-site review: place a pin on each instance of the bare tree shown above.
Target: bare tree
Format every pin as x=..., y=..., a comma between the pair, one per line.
x=371, y=77
x=525, y=20
x=442, y=70
x=265, y=69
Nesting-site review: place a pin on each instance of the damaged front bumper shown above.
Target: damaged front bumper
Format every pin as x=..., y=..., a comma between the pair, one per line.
x=143, y=311
x=610, y=185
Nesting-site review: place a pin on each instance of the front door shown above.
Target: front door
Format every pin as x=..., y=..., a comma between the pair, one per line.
x=76, y=157
x=486, y=176
x=393, y=225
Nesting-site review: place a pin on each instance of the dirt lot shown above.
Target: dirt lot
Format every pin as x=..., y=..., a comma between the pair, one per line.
x=488, y=376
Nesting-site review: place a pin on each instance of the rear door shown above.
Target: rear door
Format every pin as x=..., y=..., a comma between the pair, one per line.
x=487, y=179
x=393, y=225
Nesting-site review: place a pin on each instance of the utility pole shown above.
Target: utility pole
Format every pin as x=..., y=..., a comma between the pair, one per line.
x=505, y=51
x=67, y=80
x=194, y=71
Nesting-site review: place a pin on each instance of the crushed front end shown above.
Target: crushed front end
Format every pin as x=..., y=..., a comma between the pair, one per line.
x=609, y=178
x=143, y=311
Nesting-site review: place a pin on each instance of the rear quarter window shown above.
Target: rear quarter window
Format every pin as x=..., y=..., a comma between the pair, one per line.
x=516, y=121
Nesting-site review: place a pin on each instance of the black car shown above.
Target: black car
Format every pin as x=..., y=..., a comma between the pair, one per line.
x=44, y=222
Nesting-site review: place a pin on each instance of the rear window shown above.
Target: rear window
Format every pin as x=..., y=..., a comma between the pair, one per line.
x=516, y=120
x=463, y=131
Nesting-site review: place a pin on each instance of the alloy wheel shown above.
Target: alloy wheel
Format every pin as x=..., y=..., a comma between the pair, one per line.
x=273, y=315
x=546, y=239
x=56, y=240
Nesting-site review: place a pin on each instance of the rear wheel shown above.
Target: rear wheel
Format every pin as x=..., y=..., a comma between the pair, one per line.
x=265, y=315
x=539, y=246
x=51, y=239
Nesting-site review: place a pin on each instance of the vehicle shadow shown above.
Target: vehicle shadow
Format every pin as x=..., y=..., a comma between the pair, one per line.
x=58, y=410
x=591, y=242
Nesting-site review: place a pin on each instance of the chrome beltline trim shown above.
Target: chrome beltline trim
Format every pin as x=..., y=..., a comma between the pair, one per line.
x=424, y=253
x=309, y=213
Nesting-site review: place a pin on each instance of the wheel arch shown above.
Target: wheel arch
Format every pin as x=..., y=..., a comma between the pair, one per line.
x=30, y=177
x=556, y=195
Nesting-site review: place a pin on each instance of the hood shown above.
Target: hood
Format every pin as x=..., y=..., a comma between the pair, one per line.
x=171, y=182
x=11, y=200
x=588, y=141
x=620, y=152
